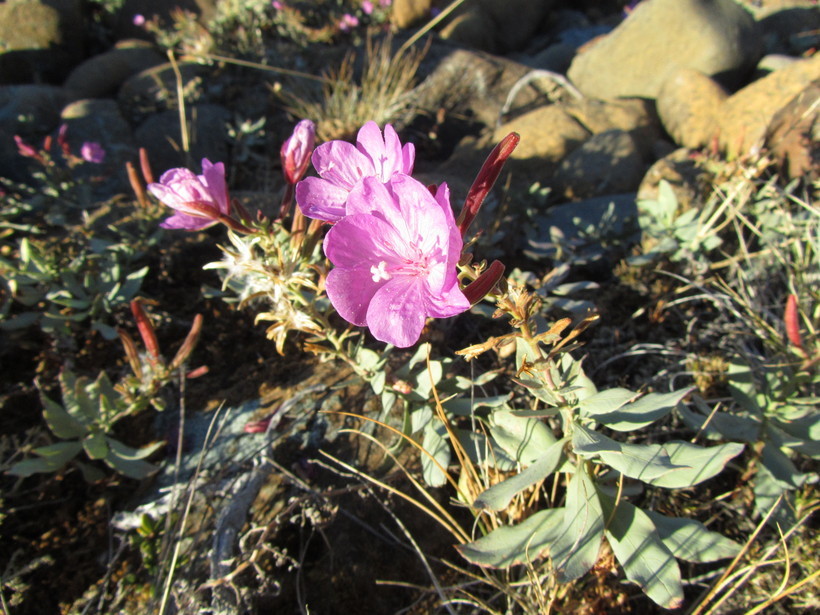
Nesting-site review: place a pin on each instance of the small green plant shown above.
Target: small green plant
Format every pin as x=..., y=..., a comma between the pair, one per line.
x=85, y=422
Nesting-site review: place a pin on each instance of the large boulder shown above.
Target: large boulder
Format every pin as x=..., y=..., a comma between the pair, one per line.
x=716, y=37
x=102, y=75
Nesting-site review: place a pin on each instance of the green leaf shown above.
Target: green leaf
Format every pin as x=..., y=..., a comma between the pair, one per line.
x=640, y=461
x=634, y=415
x=523, y=439
x=703, y=462
x=516, y=544
x=50, y=458
x=95, y=445
x=434, y=441
x=122, y=451
x=743, y=388
x=645, y=558
x=61, y=423
x=575, y=550
x=605, y=402
x=692, y=541
x=498, y=496
x=781, y=467
x=132, y=468
x=483, y=451
x=742, y=426
x=770, y=492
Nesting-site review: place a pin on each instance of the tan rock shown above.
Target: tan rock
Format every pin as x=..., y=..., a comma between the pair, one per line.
x=689, y=104
x=794, y=134
x=688, y=180
x=634, y=116
x=548, y=133
x=404, y=13
x=747, y=113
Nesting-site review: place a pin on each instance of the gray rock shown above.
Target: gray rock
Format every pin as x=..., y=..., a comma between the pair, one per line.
x=717, y=37
x=748, y=112
x=100, y=121
x=548, y=135
x=102, y=75
x=606, y=163
x=37, y=43
x=789, y=26
x=689, y=104
x=155, y=89
x=497, y=25
x=160, y=135
x=793, y=136
x=686, y=176
x=30, y=111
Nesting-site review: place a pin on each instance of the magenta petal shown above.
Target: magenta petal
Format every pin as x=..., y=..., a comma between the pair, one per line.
x=187, y=223
x=350, y=292
x=448, y=303
x=321, y=199
x=213, y=178
x=396, y=313
x=383, y=151
x=341, y=163
x=408, y=158
x=360, y=242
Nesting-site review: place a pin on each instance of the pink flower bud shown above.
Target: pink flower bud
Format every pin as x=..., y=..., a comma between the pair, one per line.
x=484, y=181
x=485, y=283
x=24, y=149
x=296, y=151
x=91, y=151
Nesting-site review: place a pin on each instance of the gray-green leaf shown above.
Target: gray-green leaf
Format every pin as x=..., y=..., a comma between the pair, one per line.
x=575, y=550
x=703, y=463
x=692, y=541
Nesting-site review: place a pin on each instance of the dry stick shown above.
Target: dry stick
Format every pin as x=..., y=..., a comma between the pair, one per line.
x=759, y=608
x=430, y=25
x=258, y=66
x=183, y=125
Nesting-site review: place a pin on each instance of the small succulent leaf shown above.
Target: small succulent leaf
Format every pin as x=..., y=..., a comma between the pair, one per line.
x=128, y=453
x=420, y=418
x=434, y=441
x=368, y=359
x=776, y=433
x=703, y=463
x=95, y=445
x=378, y=381
x=107, y=331
x=425, y=379
x=515, y=544
x=770, y=493
x=50, y=458
x=743, y=426
x=575, y=550
x=69, y=388
x=743, y=388
x=464, y=406
x=636, y=414
x=61, y=423
x=781, y=467
x=692, y=541
x=483, y=451
x=132, y=468
x=644, y=557
x=90, y=473
x=523, y=439
x=605, y=402
x=499, y=496
x=420, y=356
x=640, y=461
x=20, y=321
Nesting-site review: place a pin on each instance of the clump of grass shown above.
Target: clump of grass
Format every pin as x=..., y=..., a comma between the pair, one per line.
x=343, y=105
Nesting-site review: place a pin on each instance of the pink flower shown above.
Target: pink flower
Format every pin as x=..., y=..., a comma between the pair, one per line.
x=367, y=7
x=384, y=3
x=24, y=149
x=277, y=5
x=199, y=200
x=296, y=151
x=91, y=151
x=342, y=166
x=138, y=20
x=395, y=257
x=348, y=22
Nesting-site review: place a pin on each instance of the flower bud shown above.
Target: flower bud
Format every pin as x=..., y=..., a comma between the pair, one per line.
x=484, y=284
x=484, y=181
x=296, y=151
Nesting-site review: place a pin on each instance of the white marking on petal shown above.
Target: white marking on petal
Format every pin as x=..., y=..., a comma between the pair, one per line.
x=379, y=272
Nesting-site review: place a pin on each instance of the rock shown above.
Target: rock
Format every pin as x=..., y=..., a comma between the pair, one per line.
x=160, y=135
x=689, y=104
x=789, y=26
x=747, y=113
x=717, y=37
x=473, y=82
x=793, y=135
x=404, y=13
x=155, y=89
x=102, y=75
x=497, y=25
x=635, y=116
x=36, y=43
x=556, y=58
x=100, y=121
x=548, y=134
x=606, y=163
x=687, y=178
